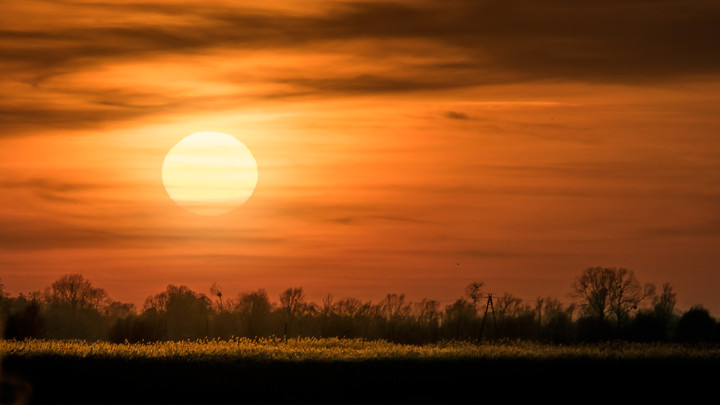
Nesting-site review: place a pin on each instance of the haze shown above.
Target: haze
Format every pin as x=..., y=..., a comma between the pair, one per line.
x=409, y=146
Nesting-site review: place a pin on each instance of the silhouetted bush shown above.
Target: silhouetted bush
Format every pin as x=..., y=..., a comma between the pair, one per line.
x=224, y=325
x=649, y=326
x=592, y=329
x=558, y=329
x=24, y=320
x=696, y=326
x=520, y=327
x=462, y=323
x=65, y=322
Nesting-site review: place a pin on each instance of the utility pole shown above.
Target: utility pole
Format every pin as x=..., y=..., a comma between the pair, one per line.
x=490, y=306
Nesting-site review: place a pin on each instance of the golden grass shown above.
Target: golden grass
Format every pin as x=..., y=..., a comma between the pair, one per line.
x=334, y=349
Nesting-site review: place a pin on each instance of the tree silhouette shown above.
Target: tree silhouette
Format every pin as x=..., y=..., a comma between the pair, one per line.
x=76, y=292
x=516, y=319
x=509, y=306
x=474, y=292
x=255, y=309
x=24, y=319
x=293, y=305
x=327, y=305
x=292, y=301
x=348, y=307
x=460, y=320
x=216, y=291
x=73, y=309
x=555, y=319
x=117, y=309
x=186, y=312
x=654, y=324
x=696, y=326
x=664, y=304
x=428, y=311
x=394, y=306
x=610, y=293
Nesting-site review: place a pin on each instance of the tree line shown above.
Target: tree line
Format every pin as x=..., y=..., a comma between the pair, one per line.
x=608, y=304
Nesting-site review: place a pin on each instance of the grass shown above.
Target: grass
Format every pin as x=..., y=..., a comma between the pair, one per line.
x=333, y=349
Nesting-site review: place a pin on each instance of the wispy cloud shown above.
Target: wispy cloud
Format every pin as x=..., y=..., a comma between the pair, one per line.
x=363, y=219
x=25, y=235
x=596, y=40
x=454, y=115
x=398, y=47
x=709, y=229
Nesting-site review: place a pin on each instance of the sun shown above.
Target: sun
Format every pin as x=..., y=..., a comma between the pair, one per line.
x=209, y=173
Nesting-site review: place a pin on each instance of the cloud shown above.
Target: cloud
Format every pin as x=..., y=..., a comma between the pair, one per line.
x=19, y=119
x=617, y=41
x=364, y=218
x=46, y=184
x=389, y=47
x=456, y=115
x=31, y=235
x=452, y=252
x=84, y=225
x=369, y=84
x=710, y=229
x=50, y=189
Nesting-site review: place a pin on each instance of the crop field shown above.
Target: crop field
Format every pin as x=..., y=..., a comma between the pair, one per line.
x=334, y=370
x=345, y=350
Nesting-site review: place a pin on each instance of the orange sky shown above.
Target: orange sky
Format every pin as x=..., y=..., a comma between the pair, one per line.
x=409, y=147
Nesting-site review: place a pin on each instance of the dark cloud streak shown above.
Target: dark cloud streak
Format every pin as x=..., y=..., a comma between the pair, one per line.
x=593, y=40
x=454, y=115
x=22, y=235
x=46, y=184
x=621, y=42
x=358, y=219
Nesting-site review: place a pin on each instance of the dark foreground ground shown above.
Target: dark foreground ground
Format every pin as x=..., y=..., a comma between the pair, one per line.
x=112, y=381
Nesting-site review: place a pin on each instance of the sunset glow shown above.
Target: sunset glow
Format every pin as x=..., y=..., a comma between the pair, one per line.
x=373, y=146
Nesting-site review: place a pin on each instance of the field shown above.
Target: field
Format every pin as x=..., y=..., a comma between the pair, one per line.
x=346, y=371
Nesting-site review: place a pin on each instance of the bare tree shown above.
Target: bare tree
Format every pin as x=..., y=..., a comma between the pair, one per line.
x=510, y=306
x=348, y=307
x=459, y=319
x=328, y=305
x=664, y=304
x=592, y=289
x=474, y=292
x=292, y=301
x=610, y=292
x=428, y=311
x=216, y=291
x=628, y=294
x=549, y=308
x=393, y=306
